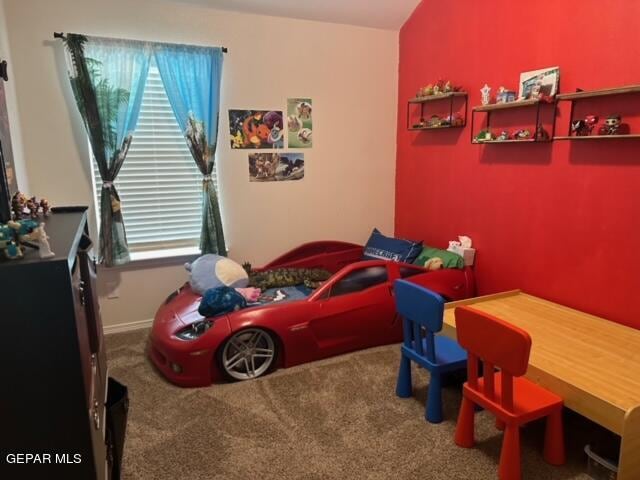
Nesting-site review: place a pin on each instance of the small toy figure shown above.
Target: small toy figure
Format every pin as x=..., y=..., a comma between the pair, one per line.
x=583, y=128
x=426, y=91
x=22, y=206
x=13, y=251
x=448, y=87
x=455, y=120
x=504, y=135
x=522, y=134
x=541, y=134
x=613, y=126
x=43, y=242
x=484, y=136
x=18, y=204
x=435, y=121
x=44, y=206
x=486, y=94
x=505, y=96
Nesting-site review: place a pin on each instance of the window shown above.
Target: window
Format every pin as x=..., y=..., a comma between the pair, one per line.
x=359, y=280
x=159, y=183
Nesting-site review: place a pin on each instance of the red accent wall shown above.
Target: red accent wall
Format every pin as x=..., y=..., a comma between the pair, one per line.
x=558, y=220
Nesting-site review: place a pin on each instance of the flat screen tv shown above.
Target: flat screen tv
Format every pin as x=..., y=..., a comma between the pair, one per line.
x=8, y=183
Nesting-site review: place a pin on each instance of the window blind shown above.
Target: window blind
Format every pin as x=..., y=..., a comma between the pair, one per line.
x=159, y=183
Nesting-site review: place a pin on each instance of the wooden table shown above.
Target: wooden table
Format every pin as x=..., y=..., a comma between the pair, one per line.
x=592, y=363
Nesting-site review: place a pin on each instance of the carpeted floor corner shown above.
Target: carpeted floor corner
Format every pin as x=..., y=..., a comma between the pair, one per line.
x=333, y=419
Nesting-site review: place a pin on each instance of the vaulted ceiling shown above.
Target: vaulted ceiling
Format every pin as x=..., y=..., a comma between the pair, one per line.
x=386, y=14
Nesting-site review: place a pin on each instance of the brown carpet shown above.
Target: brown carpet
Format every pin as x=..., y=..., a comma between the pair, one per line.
x=333, y=419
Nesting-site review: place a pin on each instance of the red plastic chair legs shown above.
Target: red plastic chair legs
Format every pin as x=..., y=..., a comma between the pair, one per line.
x=509, y=468
x=554, y=439
x=465, y=427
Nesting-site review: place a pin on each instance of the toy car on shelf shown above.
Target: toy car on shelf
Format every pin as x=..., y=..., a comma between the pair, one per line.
x=353, y=310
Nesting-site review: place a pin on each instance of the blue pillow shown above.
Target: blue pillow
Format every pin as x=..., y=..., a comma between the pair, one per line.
x=379, y=247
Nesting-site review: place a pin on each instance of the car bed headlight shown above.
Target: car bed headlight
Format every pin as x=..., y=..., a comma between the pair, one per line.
x=195, y=330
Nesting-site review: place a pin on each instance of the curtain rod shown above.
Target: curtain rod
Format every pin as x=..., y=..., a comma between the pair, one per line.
x=61, y=35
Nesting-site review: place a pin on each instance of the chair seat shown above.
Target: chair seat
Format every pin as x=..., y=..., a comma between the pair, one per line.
x=449, y=355
x=448, y=351
x=530, y=401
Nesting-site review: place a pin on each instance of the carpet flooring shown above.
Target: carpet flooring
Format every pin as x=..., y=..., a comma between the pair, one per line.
x=333, y=419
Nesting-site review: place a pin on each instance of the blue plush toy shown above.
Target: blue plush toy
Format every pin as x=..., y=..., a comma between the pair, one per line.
x=211, y=271
x=221, y=300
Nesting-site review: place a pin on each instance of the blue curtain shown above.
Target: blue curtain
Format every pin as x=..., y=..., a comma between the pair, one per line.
x=191, y=76
x=107, y=78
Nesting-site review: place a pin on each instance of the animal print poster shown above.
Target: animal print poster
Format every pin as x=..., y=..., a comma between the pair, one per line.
x=275, y=167
x=256, y=129
x=300, y=122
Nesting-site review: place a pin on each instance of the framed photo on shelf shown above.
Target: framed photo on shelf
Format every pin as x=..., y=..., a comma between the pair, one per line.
x=541, y=83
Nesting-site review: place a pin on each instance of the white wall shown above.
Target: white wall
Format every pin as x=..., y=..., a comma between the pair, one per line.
x=349, y=72
x=12, y=106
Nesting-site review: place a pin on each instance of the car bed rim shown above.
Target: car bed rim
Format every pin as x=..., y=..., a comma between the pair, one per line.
x=248, y=354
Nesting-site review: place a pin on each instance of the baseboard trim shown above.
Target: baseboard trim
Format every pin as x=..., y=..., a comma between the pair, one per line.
x=127, y=326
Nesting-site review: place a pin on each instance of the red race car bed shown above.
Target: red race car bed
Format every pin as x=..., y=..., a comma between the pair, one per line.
x=353, y=310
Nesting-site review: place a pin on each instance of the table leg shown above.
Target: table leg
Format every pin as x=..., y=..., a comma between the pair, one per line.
x=629, y=462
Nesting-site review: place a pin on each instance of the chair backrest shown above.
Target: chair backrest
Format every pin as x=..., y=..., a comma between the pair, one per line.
x=498, y=344
x=422, y=311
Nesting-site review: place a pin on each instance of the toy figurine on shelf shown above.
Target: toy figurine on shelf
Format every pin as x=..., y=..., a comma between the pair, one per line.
x=613, y=126
x=541, y=134
x=583, y=128
x=505, y=96
x=522, y=134
x=421, y=124
x=484, y=136
x=454, y=120
x=504, y=135
x=23, y=206
x=486, y=94
x=435, y=121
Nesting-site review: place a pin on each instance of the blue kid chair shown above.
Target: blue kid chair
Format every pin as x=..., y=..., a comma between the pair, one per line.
x=422, y=311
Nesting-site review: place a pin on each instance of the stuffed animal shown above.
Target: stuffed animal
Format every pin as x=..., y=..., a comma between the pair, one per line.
x=434, y=263
x=221, y=300
x=211, y=271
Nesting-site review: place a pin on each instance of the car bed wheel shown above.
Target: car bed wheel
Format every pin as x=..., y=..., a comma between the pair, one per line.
x=248, y=354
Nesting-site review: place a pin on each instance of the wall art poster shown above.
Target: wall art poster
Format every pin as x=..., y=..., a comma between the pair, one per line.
x=274, y=167
x=541, y=83
x=256, y=129
x=300, y=122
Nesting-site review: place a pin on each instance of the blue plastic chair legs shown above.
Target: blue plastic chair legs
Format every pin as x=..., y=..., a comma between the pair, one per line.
x=403, y=386
x=433, y=409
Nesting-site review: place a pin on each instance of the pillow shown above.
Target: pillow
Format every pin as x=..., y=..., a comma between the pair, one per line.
x=211, y=271
x=379, y=247
x=449, y=259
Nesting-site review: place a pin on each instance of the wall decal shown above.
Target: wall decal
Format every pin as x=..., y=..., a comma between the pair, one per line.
x=273, y=167
x=256, y=129
x=300, y=123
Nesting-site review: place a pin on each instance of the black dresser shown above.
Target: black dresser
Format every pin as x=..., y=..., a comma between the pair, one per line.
x=53, y=384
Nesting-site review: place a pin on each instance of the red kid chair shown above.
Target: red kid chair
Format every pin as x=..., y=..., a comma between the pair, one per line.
x=513, y=399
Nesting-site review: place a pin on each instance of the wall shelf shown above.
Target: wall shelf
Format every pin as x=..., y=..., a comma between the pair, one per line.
x=496, y=107
x=435, y=128
x=598, y=93
x=440, y=96
x=450, y=96
x=507, y=105
x=526, y=140
x=597, y=137
x=586, y=94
